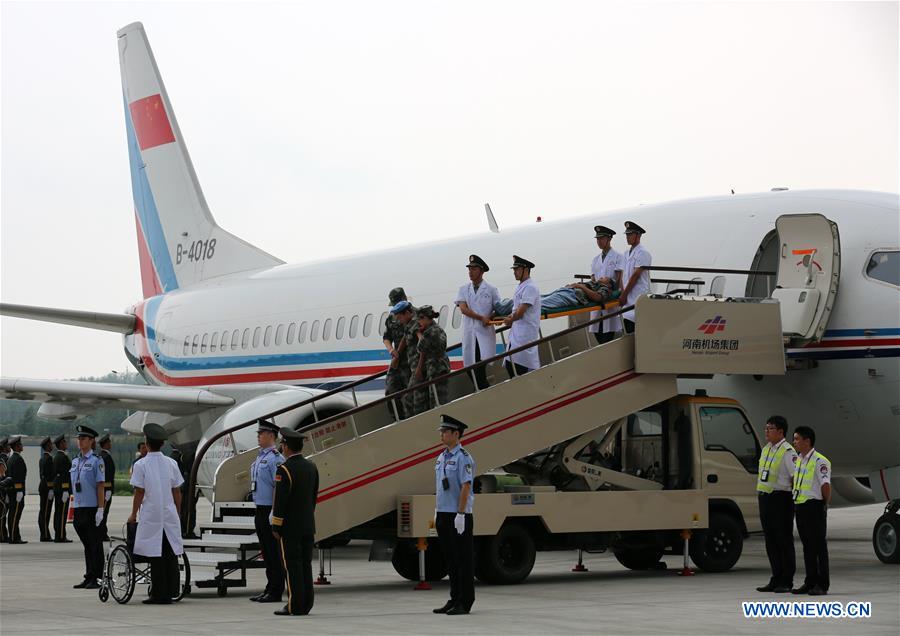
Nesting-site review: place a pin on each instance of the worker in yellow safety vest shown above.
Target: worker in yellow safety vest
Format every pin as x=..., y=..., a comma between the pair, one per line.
x=812, y=493
x=776, y=507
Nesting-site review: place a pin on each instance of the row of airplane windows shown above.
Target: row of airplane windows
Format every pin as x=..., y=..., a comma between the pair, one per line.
x=287, y=334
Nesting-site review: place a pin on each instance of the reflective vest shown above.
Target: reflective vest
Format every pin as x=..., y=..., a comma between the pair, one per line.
x=803, y=478
x=769, y=464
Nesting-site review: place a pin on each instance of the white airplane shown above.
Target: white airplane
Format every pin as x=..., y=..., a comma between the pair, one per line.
x=223, y=325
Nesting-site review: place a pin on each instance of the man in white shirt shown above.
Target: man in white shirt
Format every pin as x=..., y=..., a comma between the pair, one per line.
x=635, y=275
x=812, y=494
x=606, y=264
x=476, y=303
x=157, y=496
x=775, y=480
x=524, y=321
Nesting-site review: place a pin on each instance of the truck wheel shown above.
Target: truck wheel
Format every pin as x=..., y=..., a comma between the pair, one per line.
x=719, y=547
x=637, y=559
x=507, y=557
x=886, y=538
x=405, y=560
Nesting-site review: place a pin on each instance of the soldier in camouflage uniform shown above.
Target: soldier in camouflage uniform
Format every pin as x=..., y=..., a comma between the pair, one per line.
x=397, y=377
x=407, y=353
x=433, y=360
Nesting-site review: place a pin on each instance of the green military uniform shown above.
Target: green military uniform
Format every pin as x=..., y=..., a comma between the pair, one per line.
x=397, y=377
x=62, y=491
x=110, y=472
x=17, y=471
x=45, y=490
x=293, y=518
x=4, y=457
x=412, y=362
x=436, y=363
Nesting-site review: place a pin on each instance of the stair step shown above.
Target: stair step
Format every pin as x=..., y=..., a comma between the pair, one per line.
x=210, y=559
x=227, y=525
x=227, y=541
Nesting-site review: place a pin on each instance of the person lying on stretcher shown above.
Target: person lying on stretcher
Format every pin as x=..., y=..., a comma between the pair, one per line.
x=572, y=295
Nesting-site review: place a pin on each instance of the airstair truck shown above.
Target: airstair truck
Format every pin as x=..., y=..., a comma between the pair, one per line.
x=377, y=478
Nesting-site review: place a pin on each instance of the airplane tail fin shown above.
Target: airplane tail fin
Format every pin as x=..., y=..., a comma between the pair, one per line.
x=178, y=239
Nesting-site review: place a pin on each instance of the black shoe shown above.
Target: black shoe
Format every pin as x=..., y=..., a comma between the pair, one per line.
x=782, y=589
x=803, y=589
x=268, y=598
x=47, y=539
x=457, y=610
x=449, y=605
x=92, y=585
x=157, y=601
x=19, y=542
x=768, y=587
x=257, y=597
x=817, y=591
x=62, y=541
x=284, y=612
x=81, y=585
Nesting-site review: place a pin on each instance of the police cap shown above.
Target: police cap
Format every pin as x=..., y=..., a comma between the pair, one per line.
x=4, y=441
x=267, y=426
x=155, y=432
x=602, y=230
x=518, y=261
x=451, y=423
x=103, y=438
x=400, y=307
x=45, y=441
x=427, y=311
x=85, y=431
x=633, y=228
x=476, y=261
x=59, y=439
x=15, y=439
x=289, y=433
x=396, y=295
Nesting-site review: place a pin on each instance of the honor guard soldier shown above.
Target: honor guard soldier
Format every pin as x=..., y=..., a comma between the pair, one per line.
x=87, y=477
x=16, y=470
x=812, y=494
x=397, y=377
x=454, y=472
x=433, y=361
x=409, y=353
x=109, y=467
x=635, y=275
x=294, y=523
x=4, y=507
x=45, y=488
x=476, y=301
x=262, y=488
x=62, y=489
x=157, y=497
x=776, y=508
x=524, y=321
x=606, y=264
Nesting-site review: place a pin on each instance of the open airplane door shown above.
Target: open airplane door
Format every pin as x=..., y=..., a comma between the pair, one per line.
x=809, y=269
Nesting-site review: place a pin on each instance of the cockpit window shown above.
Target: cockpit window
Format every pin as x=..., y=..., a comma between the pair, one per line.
x=885, y=266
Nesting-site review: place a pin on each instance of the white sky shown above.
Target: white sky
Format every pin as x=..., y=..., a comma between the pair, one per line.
x=322, y=129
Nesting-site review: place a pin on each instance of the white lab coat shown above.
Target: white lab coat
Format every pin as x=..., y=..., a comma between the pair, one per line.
x=528, y=328
x=606, y=268
x=634, y=258
x=481, y=302
x=157, y=475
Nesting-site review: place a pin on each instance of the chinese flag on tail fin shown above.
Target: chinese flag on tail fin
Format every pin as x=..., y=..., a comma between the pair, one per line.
x=151, y=124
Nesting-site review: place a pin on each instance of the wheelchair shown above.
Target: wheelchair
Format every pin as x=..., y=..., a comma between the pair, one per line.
x=124, y=570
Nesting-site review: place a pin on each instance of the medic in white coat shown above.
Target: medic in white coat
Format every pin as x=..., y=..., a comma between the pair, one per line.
x=635, y=275
x=607, y=264
x=525, y=320
x=476, y=301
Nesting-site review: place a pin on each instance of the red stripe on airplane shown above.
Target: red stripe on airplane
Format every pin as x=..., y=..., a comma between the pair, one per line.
x=149, y=279
x=854, y=342
x=151, y=124
x=391, y=469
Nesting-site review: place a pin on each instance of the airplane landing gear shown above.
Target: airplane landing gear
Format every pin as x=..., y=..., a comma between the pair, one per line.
x=886, y=534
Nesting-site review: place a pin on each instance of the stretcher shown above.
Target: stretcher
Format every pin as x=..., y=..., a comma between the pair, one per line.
x=571, y=310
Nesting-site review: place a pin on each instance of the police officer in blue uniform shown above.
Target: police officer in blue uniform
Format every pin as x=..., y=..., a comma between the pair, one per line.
x=262, y=488
x=454, y=472
x=88, y=478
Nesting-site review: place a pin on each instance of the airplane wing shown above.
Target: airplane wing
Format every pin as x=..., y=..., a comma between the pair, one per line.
x=68, y=399
x=119, y=323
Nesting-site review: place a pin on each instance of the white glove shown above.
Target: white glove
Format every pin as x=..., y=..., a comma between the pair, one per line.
x=20, y=496
x=49, y=495
x=98, y=517
x=271, y=516
x=108, y=495
x=459, y=522
x=65, y=496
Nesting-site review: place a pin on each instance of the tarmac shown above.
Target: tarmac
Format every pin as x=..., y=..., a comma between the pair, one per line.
x=36, y=595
